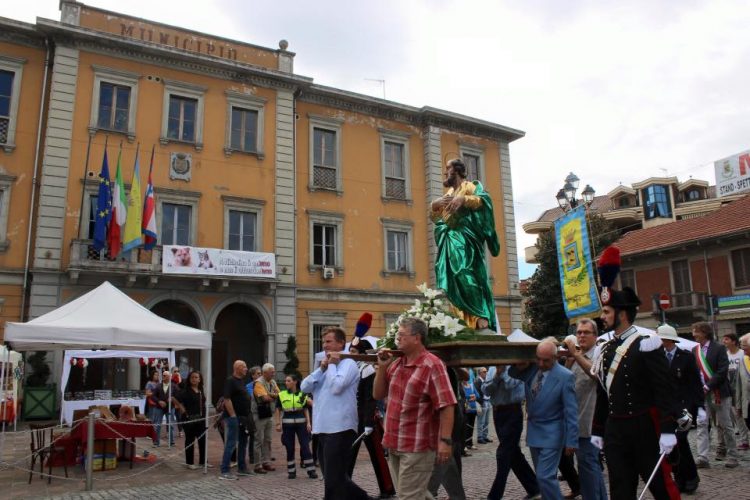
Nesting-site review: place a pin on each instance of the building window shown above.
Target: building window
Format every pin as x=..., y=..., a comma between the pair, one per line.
x=182, y=113
x=326, y=240
x=242, y=230
x=398, y=247
x=175, y=224
x=242, y=223
x=318, y=321
x=244, y=124
x=114, y=101
x=11, y=72
x=624, y=202
x=693, y=195
x=6, y=183
x=177, y=216
x=741, y=267
x=627, y=278
x=394, y=152
x=6, y=95
x=473, y=157
x=114, y=106
x=182, y=116
x=681, y=283
x=657, y=202
x=325, y=154
x=324, y=245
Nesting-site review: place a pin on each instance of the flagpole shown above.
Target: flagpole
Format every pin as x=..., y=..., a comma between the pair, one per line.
x=85, y=175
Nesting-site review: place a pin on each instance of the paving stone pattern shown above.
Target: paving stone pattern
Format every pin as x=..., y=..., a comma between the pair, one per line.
x=171, y=479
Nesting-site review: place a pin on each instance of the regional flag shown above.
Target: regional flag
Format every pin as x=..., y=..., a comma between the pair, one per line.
x=132, y=237
x=119, y=212
x=103, y=206
x=149, y=212
x=577, y=281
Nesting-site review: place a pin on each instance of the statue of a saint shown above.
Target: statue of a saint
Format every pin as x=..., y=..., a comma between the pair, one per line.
x=464, y=222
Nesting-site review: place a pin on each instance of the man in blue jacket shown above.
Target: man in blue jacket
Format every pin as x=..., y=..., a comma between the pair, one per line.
x=552, y=421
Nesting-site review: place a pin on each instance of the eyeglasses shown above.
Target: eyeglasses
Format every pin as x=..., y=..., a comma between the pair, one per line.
x=402, y=335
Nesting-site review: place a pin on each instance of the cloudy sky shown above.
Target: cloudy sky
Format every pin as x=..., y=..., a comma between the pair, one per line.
x=614, y=91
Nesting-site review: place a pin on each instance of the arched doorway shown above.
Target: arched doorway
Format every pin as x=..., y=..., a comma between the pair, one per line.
x=239, y=334
x=182, y=313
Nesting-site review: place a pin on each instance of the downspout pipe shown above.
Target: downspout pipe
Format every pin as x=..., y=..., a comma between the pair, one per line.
x=34, y=180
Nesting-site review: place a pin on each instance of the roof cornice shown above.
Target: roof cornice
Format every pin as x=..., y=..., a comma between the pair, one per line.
x=352, y=101
x=97, y=41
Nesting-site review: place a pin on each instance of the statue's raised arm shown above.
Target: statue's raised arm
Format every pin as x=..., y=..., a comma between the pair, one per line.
x=464, y=222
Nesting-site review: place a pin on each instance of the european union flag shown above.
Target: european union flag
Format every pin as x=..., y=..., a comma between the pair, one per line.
x=103, y=206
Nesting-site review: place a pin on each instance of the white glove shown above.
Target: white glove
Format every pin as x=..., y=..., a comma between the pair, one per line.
x=666, y=443
x=701, y=420
x=598, y=441
x=368, y=431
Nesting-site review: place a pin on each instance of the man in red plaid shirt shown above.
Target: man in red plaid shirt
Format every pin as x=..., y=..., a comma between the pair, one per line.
x=419, y=415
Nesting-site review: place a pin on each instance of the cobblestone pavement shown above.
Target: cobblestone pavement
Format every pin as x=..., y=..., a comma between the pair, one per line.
x=169, y=478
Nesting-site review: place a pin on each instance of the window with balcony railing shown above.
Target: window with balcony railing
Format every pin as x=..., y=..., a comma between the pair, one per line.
x=681, y=283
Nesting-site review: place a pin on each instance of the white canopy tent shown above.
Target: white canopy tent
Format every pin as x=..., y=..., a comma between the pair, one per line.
x=518, y=335
x=106, y=318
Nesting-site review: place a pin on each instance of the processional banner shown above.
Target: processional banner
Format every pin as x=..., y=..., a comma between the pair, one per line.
x=577, y=281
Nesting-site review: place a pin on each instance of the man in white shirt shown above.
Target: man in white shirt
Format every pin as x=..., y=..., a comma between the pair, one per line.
x=334, y=389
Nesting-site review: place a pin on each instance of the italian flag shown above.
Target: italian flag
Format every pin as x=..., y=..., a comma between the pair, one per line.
x=119, y=212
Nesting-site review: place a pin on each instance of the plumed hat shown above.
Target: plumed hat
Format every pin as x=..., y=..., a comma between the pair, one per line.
x=363, y=326
x=608, y=267
x=622, y=299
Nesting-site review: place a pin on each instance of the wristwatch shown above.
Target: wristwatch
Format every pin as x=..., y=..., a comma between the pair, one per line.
x=447, y=441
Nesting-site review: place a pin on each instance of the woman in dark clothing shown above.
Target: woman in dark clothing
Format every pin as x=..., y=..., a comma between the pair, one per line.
x=191, y=403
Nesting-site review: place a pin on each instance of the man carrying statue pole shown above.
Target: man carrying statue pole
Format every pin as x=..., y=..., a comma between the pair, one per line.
x=464, y=222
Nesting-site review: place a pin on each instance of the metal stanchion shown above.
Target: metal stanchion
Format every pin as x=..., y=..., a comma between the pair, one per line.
x=90, y=452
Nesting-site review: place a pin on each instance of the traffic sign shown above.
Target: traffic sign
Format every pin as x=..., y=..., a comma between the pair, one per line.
x=664, y=302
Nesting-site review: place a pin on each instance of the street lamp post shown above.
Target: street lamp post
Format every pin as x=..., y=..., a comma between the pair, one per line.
x=566, y=197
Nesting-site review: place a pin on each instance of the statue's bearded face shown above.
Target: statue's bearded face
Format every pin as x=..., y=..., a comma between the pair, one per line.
x=451, y=177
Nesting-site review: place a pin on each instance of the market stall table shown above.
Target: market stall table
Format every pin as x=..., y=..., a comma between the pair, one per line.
x=113, y=429
x=68, y=408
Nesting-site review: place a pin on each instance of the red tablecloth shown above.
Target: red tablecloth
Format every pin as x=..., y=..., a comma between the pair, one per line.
x=102, y=430
x=112, y=430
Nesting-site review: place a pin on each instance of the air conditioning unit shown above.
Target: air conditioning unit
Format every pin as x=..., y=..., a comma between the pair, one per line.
x=328, y=273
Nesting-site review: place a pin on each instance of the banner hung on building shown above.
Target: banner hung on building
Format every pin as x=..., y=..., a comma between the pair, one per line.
x=178, y=259
x=577, y=281
x=733, y=174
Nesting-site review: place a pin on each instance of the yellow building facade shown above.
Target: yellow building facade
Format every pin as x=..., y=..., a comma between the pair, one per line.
x=248, y=156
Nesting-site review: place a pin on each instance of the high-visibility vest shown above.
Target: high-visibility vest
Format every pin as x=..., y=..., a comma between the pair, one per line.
x=292, y=402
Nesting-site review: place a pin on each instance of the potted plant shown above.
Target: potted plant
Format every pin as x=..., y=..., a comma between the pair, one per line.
x=40, y=398
x=453, y=341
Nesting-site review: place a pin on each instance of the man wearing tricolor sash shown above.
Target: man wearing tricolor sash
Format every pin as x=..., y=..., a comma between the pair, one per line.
x=713, y=364
x=637, y=411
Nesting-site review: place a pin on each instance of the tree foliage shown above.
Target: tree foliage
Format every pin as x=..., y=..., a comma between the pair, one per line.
x=292, y=361
x=544, y=307
x=40, y=371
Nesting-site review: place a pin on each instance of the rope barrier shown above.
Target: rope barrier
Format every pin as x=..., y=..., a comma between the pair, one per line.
x=165, y=457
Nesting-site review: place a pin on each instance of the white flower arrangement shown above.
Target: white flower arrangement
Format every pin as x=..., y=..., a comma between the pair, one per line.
x=437, y=313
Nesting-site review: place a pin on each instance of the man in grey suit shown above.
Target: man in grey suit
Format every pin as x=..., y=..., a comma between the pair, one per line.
x=552, y=424
x=713, y=365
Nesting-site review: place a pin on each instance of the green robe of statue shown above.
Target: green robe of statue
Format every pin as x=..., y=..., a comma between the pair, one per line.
x=460, y=266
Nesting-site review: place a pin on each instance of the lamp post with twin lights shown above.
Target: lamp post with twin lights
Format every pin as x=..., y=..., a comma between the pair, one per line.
x=566, y=197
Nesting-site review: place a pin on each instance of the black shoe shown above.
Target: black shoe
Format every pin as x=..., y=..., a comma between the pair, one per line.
x=291, y=475
x=312, y=474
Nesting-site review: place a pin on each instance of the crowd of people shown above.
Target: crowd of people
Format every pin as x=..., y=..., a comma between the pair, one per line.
x=628, y=402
